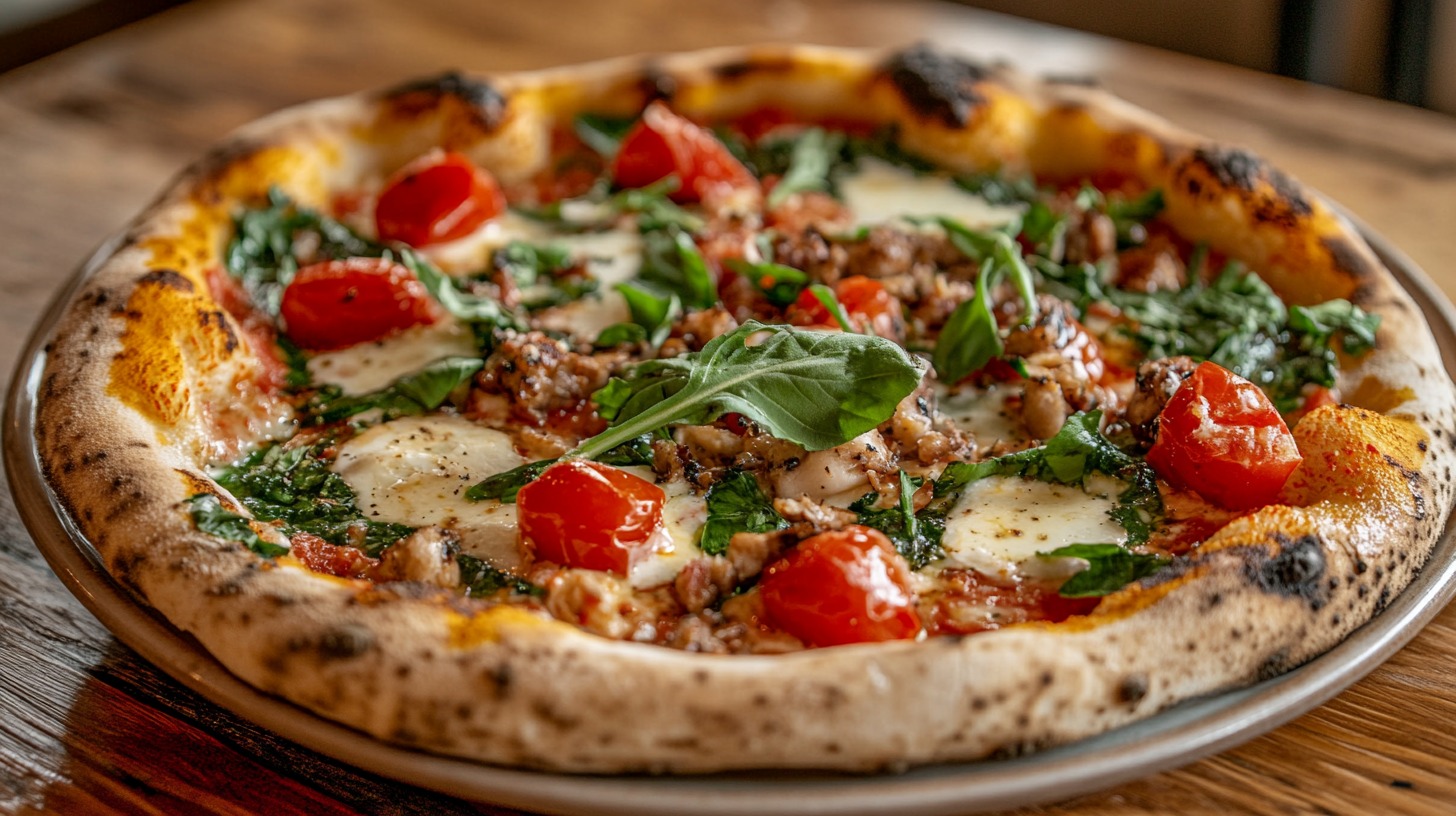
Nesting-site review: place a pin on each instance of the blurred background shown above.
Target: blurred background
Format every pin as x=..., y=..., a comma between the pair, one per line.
x=1403, y=50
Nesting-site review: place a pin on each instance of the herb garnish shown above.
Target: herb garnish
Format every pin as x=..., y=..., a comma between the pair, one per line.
x=736, y=505
x=504, y=486
x=537, y=271
x=917, y=537
x=971, y=336
x=417, y=393
x=482, y=580
x=211, y=518
x=1109, y=568
x=813, y=155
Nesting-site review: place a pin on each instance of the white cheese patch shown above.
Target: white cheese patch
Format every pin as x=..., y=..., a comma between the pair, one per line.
x=415, y=471
x=471, y=253
x=878, y=192
x=371, y=366
x=676, y=543
x=587, y=317
x=999, y=524
x=982, y=412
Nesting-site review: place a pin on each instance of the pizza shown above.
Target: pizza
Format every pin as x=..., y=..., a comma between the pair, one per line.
x=771, y=408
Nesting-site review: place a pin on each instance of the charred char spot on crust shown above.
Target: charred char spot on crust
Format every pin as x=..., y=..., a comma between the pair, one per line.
x=656, y=85
x=1237, y=168
x=1417, y=485
x=217, y=319
x=730, y=71
x=1274, y=665
x=502, y=678
x=1350, y=260
x=344, y=642
x=486, y=104
x=1298, y=569
x=169, y=278
x=936, y=85
x=1132, y=689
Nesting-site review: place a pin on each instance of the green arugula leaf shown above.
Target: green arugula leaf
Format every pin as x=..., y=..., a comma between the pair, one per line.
x=671, y=261
x=652, y=310
x=619, y=334
x=736, y=505
x=417, y=393
x=818, y=389
x=293, y=484
x=815, y=152
x=1077, y=450
x=481, y=580
x=971, y=337
x=780, y=284
x=1109, y=568
x=537, y=272
x=504, y=486
x=916, y=537
x=830, y=301
x=602, y=133
x=210, y=517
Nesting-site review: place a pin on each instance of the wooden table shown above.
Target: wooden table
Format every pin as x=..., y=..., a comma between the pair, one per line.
x=87, y=136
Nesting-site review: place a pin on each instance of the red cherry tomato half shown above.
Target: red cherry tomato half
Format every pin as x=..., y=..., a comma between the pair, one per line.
x=864, y=300
x=336, y=304
x=438, y=197
x=844, y=586
x=590, y=515
x=665, y=144
x=1221, y=436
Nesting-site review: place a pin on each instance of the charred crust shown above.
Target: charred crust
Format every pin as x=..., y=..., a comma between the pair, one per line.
x=215, y=164
x=502, y=679
x=345, y=642
x=1274, y=665
x=1297, y=569
x=656, y=84
x=216, y=319
x=1131, y=689
x=168, y=279
x=739, y=69
x=936, y=85
x=1238, y=169
x=485, y=104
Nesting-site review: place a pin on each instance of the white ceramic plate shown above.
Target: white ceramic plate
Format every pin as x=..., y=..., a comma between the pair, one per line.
x=1175, y=737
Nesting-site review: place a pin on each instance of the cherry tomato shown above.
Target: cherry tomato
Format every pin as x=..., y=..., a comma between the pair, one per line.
x=331, y=559
x=438, y=197
x=665, y=144
x=1221, y=436
x=844, y=586
x=590, y=515
x=336, y=304
x=864, y=299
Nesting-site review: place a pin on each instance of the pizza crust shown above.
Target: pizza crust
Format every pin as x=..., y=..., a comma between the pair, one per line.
x=130, y=412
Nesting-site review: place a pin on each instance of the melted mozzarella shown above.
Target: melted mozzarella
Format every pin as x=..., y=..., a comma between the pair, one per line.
x=472, y=252
x=878, y=192
x=676, y=543
x=982, y=412
x=415, y=471
x=999, y=524
x=371, y=366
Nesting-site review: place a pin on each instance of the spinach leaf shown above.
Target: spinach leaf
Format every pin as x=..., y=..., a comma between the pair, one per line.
x=971, y=337
x=465, y=306
x=1077, y=450
x=916, y=537
x=671, y=261
x=1109, y=568
x=261, y=253
x=602, y=133
x=210, y=517
x=293, y=484
x=736, y=505
x=818, y=389
x=815, y=152
x=417, y=393
x=481, y=580
x=505, y=486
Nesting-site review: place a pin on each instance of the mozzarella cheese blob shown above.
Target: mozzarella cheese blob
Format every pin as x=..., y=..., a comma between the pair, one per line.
x=368, y=367
x=1000, y=523
x=879, y=191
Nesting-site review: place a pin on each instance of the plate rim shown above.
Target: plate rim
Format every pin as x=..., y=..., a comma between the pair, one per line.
x=1140, y=749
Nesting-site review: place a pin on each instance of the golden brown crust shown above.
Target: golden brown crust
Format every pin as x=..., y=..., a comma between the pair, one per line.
x=130, y=415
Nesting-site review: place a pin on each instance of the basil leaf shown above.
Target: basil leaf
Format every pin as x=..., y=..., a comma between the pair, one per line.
x=818, y=389
x=537, y=270
x=210, y=517
x=463, y=305
x=417, y=393
x=814, y=154
x=916, y=537
x=736, y=505
x=780, y=284
x=971, y=337
x=293, y=484
x=602, y=133
x=653, y=311
x=482, y=580
x=1109, y=568
x=1077, y=450
x=671, y=261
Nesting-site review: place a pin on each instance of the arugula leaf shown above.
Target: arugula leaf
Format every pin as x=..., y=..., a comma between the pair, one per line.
x=971, y=337
x=482, y=580
x=294, y=485
x=504, y=486
x=261, y=253
x=736, y=505
x=779, y=283
x=602, y=133
x=815, y=153
x=417, y=393
x=671, y=261
x=830, y=301
x=916, y=537
x=818, y=389
x=620, y=333
x=1077, y=450
x=463, y=305
x=652, y=311
x=1109, y=568
x=210, y=517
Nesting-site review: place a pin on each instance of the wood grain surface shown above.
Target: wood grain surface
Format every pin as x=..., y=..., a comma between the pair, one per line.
x=89, y=135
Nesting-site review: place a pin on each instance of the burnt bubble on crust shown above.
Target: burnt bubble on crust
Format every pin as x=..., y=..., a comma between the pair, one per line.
x=1236, y=168
x=486, y=104
x=936, y=85
x=168, y=278
x=1297, y=569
